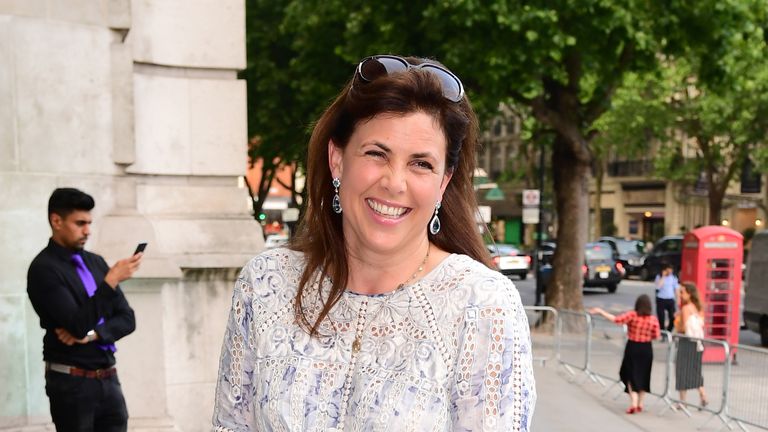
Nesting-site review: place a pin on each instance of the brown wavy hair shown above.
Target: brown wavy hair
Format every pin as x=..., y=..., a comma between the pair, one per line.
x=690, y=288
x=320, y=236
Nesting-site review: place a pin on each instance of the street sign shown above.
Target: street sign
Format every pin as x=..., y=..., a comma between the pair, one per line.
x=530, y=215
x=290, y=215
x=531, y=198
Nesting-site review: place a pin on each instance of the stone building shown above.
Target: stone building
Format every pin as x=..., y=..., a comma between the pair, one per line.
x=138, y=103
x=635, y=203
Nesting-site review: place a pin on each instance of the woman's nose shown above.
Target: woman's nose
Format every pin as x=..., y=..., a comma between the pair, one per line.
x=395, y=180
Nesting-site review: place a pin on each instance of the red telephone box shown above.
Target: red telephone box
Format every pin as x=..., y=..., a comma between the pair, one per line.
x=712, y=257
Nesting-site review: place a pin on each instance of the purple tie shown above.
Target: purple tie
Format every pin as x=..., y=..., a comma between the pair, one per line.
x=90, y=287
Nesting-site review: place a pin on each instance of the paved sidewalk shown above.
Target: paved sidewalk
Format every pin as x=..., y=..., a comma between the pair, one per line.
x=565, y=406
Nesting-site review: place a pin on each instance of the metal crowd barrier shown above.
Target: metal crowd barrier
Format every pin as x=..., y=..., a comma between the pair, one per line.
x=607, y=341
x=747, y=391
x=573, y=329
x=542, y=321
x=735, y=379
x=698, y=363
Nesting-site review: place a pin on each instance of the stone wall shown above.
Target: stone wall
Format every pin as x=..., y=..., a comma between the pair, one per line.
x=138, y=103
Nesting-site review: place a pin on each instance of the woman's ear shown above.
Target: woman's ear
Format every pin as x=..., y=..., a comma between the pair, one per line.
x=444, y=183
x=335, y=159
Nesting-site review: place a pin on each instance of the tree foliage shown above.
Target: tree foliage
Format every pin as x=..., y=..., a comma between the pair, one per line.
x=716, y=124
x=564, y=59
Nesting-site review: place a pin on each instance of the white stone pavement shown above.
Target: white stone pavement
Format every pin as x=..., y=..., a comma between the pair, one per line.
x=576, y=404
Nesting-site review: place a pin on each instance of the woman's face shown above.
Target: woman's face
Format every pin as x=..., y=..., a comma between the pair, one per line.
x=684, y=296
x=392, y=173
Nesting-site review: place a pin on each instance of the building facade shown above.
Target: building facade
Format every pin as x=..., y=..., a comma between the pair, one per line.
x=635, y=203
x=136, y=102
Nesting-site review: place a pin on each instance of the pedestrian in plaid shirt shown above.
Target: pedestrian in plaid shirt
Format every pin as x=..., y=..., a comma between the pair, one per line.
x=642, y=328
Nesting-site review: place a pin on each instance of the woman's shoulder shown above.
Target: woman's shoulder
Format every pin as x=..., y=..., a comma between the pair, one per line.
x=273, y=265
x=472, y=283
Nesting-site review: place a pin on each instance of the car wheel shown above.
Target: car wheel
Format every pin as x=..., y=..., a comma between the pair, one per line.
x=612, y=288
x=524, y=276
x=764, y=332
x=645, y=274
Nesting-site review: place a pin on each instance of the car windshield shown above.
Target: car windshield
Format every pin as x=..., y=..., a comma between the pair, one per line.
x=629, y=246
x=598, y=252
x=503, y=250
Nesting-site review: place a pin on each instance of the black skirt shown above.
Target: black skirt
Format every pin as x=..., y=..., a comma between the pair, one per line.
x=635, y=370
x=688, y=365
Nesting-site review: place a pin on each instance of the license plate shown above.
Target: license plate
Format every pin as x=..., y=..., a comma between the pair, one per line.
x=603, y=275
x=603, y=268
x=512, y=263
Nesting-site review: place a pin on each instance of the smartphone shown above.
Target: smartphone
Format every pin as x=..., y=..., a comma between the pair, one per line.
x=140, y=248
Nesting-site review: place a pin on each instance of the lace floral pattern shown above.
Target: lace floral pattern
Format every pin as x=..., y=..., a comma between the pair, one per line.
x=451, y=351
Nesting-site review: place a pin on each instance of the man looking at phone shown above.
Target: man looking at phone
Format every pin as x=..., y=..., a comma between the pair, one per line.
x=666, y=287
x=83, y=311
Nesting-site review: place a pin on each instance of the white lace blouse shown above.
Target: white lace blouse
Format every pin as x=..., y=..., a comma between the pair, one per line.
x=450, y=352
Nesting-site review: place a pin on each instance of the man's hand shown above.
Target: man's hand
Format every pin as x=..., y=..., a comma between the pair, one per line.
x=123, y=270
x=67, y=339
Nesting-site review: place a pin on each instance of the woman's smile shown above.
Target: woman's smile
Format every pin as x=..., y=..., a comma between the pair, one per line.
x=388, y=211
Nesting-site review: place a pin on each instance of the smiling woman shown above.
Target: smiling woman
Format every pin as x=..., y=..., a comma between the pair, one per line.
x=382, y=313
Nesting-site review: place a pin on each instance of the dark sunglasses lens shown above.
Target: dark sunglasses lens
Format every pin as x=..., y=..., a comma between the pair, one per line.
x=374, y=68
x=451, y=85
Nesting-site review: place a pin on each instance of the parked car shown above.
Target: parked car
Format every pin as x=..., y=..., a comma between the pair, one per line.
x=600, y=267
x=756, y=289
x=630, y=253
x=275, y=240
x=509, y=260
x=668, y=249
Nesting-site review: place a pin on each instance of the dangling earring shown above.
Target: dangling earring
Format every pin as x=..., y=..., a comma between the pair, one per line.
x=434, y=224
x=336, y=201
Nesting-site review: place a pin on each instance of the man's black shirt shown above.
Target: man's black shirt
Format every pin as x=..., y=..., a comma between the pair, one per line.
x=60, y=300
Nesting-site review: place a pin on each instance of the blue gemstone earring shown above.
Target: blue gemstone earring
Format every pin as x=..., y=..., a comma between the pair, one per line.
x=336, y=201
x=434, y=224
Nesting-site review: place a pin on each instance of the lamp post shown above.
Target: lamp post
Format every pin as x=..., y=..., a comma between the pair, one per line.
x=539, y=230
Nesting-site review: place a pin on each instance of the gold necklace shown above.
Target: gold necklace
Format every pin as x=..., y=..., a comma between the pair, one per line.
x=359, y=334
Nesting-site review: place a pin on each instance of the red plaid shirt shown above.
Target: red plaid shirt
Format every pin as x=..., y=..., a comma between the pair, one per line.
x=639, y=328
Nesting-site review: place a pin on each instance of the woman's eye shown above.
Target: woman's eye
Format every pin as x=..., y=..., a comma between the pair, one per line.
x=423, y=164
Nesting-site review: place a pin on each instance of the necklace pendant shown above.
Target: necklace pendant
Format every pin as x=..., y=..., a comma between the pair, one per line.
x=356, y=345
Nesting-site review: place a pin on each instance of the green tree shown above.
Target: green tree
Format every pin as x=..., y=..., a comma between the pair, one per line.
x=565, y=59
x=717, y=123
x=289, y=80
x=638, y=117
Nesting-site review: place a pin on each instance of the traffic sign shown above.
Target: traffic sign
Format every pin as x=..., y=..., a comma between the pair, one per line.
x=531, y=198
x=530, y=215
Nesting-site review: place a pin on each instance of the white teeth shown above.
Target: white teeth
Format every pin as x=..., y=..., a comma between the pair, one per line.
x=386, y=210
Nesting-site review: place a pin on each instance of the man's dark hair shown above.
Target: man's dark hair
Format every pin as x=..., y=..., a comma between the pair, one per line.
x=64, y=201
x=643, y=305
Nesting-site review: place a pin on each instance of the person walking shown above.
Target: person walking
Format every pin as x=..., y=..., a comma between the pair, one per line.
x=690, y=322
x=83, y=312
x=642, y=329
x=666, y=286
x=383, y=313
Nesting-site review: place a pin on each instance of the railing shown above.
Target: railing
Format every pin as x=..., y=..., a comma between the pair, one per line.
x=735, y=378
x=544, y=340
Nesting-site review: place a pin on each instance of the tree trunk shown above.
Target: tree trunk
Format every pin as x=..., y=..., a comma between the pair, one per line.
x=598, y=207
x=572, y=198
x=716, y=195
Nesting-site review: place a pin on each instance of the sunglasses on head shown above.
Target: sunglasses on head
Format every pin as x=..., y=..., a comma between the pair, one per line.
x=371, y=68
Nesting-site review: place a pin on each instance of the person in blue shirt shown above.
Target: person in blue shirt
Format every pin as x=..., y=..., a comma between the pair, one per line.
x=666, y=286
